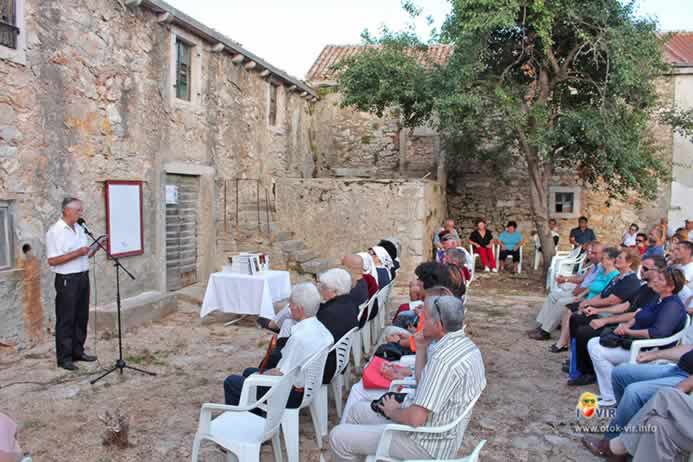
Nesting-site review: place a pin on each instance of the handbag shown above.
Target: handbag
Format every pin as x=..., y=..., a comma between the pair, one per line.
x=372, y=377
x=610, y=340
x=390, y=351
x=377, y=403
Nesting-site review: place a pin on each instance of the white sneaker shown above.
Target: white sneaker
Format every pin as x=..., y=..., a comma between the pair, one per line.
x=494, y=270
x=486, y=269
x=606, y=403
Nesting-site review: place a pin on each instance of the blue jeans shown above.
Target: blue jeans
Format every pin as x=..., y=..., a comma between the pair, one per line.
x=635, y=384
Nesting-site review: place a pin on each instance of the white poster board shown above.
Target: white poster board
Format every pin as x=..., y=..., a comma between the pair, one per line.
x=124, y=218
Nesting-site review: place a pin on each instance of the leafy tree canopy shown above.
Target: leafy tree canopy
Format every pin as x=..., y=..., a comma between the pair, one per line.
x=566, y=83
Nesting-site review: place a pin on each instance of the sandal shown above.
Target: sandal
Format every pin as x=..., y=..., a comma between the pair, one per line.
x=556, y=349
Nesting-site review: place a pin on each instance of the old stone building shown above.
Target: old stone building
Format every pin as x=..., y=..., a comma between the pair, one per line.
x=99, y=90
x=477, y=190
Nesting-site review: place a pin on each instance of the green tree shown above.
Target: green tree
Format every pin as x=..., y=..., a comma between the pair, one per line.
x=566, y=84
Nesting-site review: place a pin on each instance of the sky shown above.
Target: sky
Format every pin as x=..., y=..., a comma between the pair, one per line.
x=290, y=34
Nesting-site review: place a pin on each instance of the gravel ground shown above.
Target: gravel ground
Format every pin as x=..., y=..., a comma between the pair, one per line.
x=526, y=413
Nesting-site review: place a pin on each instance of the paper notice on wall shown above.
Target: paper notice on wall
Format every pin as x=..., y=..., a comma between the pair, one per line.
x=171, y=194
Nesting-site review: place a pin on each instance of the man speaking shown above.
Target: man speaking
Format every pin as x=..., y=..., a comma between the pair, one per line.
x=68, y=256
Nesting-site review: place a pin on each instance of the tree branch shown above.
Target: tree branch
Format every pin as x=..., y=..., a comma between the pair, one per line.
x=553, y=61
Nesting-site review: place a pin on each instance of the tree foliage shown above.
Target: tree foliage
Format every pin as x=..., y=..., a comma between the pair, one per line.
x=564, y=83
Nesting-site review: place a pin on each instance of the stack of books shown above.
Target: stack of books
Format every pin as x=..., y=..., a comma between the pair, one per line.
x=248, y=263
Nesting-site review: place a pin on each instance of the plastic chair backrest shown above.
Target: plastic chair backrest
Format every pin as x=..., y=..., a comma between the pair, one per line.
x=342, y=349
x=312, y=371
x=363, y=306
x=277, y=397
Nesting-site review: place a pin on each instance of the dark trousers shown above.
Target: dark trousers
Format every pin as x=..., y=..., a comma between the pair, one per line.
x=581, y=330
x=71, y=315
x=510, y=253
x=233, y=386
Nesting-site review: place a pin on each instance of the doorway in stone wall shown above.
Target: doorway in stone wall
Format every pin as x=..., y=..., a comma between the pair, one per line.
x=182, y=194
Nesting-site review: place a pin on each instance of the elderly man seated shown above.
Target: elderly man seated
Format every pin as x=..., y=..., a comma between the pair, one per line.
x=447, y=228
x=308, y=336
x=449, y=377
x=338, y=312
x=359, y=287
x=570, y=288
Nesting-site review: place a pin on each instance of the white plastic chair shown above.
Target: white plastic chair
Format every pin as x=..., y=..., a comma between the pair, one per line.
x=473, y=457
x=366, y=329
x=496, y=252
x=241, y=432
x=383, y=450
x=469, y=265
x=563, y=266
x=341, y=349
x=356, y=342
x=474, y=255
x=637, y=345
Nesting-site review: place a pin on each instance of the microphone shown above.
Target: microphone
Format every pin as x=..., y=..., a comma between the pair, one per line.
x=81, y=222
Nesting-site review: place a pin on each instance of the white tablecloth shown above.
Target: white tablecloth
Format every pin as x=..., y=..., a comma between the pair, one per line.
x=243, y=294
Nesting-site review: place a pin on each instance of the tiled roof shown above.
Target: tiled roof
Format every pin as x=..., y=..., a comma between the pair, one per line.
x=323, y=69
x=678, y=50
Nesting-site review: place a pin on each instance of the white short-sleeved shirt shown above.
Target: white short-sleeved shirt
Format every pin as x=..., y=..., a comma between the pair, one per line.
x=307, y=338
x=60, y=240
x=688, y=273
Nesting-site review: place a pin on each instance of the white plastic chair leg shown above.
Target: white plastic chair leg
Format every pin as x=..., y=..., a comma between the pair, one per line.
x=277, y=447
x=196, y=448
x=290, y=431
x=366, y=339
x=319, y=413
x=248, y=454
x=346, y=377
x=356, y=349
x=337, y=390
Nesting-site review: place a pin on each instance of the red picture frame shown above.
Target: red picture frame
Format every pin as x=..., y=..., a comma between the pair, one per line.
x=112, y=230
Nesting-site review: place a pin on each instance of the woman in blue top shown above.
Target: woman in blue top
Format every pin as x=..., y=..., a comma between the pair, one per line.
x=660, y=320
x=510, y=242
x=608, y=273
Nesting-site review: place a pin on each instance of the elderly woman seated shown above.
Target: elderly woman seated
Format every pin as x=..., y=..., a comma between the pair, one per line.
x=660, y=320
x=456, y=261
x=510, y=242
x=383, y=265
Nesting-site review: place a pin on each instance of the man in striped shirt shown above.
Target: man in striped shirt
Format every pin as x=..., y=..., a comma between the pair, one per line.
x=450, y=376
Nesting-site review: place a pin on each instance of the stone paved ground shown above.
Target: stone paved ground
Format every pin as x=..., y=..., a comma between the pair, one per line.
x=525, y=414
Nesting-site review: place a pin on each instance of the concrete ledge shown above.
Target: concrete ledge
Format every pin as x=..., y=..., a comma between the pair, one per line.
x=140, y=309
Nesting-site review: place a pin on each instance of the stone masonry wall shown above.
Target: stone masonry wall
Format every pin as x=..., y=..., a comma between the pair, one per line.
x=94, y=102
x=338, y=217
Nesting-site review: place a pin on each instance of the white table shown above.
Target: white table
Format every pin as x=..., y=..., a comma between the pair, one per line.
x=244, y=294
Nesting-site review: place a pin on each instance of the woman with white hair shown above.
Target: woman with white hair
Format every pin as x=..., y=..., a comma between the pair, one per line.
x=383, y=264
x=338, y=312
x=370, y=274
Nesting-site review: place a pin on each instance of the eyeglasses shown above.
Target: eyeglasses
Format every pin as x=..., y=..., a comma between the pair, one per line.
x=640, y=240
x=645, y=268
x=435, y=304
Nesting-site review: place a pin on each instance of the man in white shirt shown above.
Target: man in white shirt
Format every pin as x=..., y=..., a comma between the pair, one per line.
x=68, y=256
x=683, y=259
x=308, y=336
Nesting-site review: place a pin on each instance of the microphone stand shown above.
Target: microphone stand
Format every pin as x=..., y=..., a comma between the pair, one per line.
x=120, y=363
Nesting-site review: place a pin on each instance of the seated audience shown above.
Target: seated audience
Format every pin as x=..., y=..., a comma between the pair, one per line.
x=359, y=286
x=370, y=273
x=448, y=380
x=308, y=336
x=654, y=245
x=669, y=415
x=510, y=242
x=447, y=228
x=616, y=304
x=569, y=289
x=641, y=243
x=683, y=260
x=337, y=312
x=599, y=283
x=635, y=384
x=383, y=265
x=654, y=321
x=482, y=242
x=630, y=235
x=456, y=260
x=391, y=250
x=553, y=229
x=582, y=234
x=449, y=242
x=415, y=298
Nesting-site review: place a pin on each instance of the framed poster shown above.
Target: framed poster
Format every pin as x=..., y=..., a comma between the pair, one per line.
x=124, y=218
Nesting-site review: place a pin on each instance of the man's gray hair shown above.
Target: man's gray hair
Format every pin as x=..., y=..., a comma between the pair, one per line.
x=448, y=310
x=69, y=200
x=306, y=296
x=336, y=279
x=457, y=256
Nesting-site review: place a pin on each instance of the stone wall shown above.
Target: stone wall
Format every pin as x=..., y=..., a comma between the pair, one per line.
x=353, y=143
x=95, y=102
x=345, y=216
x=682, y=181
